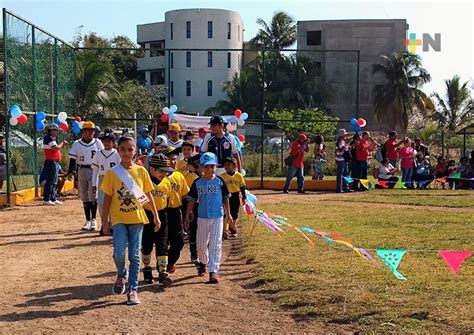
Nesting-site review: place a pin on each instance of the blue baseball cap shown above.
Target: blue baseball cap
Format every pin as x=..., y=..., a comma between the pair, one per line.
x=144, y=130
x=208, y=158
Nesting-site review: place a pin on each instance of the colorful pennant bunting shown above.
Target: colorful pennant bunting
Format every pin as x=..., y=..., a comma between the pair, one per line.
x=456, y=176
x=365, y=183
x=348, y=180
x=441, y=180
x=401, y=184
x=454, y=258
x=382, y=183
x=392, y=258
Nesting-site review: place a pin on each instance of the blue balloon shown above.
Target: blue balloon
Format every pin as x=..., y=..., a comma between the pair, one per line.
x=75, y=124
x=357, y=128
x=173, y=109
x=40, y=116
x=354, y=121
x=171, y=115
x=244, y=116
x=15, y=111
x=76, y=130
x=57, y=121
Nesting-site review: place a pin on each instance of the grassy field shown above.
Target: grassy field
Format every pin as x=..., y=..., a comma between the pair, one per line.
x=332, y=284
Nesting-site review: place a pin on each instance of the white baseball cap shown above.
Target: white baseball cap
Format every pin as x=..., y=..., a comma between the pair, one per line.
x=161, y=140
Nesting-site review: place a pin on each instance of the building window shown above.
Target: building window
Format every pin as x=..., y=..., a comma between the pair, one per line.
x=171, y=31
x=228, y=60
x=228, y=30
x=313, y=37
x=209, y=29
x=209, y=59
x=188, y=29
x=156, y=49
x=157, y=77
x=172, y=89
x=172, y=60
x=209, y=88
x=188, y=88
x=188, y=58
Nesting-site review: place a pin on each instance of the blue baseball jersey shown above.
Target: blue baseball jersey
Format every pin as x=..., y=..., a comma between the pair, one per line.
x=209, y=194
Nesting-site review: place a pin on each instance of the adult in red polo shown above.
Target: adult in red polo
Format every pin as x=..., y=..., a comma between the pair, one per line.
x=391, y=148
x=298, y=148
x=52, y=158
x=363, y=149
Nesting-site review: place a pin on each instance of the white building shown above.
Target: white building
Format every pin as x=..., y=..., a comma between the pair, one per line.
x=196, y=77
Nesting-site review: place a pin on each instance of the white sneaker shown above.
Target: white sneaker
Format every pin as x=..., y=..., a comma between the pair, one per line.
x=57, y=202
x=49, y=203
x=93, y=225
x=86, y=226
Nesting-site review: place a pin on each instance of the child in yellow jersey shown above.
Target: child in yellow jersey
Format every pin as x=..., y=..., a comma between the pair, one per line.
x=127, y=187
x=194, y=173
x=187, y=149
x=236, y=185
x=179, y=189
x=158, y=167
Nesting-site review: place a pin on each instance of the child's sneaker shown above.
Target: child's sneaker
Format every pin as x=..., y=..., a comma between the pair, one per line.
x=195, y=260
x=213, y=278
x=132, y=298
x=87, y=225
x=164, y=279
x=93, y=226
x=171, y=268
x=201, y=269
x=119, y=285
x=148, y=276
x=233, y=233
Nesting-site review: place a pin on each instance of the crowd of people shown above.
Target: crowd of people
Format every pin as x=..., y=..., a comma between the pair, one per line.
x=152, y=192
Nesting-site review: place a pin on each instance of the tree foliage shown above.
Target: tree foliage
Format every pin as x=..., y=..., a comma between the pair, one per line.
x=278, y=34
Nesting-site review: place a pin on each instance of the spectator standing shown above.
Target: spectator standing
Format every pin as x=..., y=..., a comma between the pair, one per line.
x=421, y=147
x=144, y=142
x=391, y=148
x=298, y=148
x=407, y=157
x=342, y=157
x=52, y=158
x=198, y=142
x=363, y=149
x=3, y=161
x=319, y=147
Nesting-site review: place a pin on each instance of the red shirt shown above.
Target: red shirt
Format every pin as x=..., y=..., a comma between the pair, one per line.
x=297, y=149
x=390, y=150
x=50, y=152
x=406, y=155
x=362, y=150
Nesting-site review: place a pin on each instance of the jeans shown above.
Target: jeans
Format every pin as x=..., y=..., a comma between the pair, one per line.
x=131, y=234
x=342, y=171
x=361, y=173
x=51, y=169
x=406, y=177
x=292, y=171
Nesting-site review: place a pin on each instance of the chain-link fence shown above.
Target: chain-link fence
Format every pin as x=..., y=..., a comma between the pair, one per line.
x=39, y=75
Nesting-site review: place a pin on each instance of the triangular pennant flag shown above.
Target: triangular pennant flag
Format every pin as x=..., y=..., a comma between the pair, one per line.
x=307, y=230
x=328, y=240
x=392, y=258
x=401, y=184
x=441, y=180
x=364, y=183
x=348, y=180
x=382, y=183
x=456, y=176
x=367, y=256
x=454, y=258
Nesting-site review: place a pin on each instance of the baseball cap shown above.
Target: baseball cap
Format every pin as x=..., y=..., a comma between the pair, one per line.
x=168, y=150
x=174, y=127
x=53, y=126
x=194, y=160
x=160, y=161
x=144, y=130
x=161, y=140
x=208, y=158
x=88, y=125
x=97, y=128
x=217, y=119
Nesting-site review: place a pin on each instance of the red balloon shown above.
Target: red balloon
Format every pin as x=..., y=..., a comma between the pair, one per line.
x=64, y=126
x=78, y=119
x=241, y=138
x=237, y=113
x=361, y=122
x=165, y=118
x=22, y=119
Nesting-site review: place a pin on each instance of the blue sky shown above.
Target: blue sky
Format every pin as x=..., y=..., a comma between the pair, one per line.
x=454, y=20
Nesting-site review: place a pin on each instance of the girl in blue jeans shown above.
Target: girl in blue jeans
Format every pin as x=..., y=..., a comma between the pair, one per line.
x=127, y=188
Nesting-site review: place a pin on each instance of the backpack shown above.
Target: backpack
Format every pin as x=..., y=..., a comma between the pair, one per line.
x=379, y=154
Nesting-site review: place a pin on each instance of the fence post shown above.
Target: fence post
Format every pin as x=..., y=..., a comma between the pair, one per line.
x=464, y=144
x=262, y=116
x=7, y=119
x=357, y=90
x=35, y=106
x=135, y=126
x=281, y=153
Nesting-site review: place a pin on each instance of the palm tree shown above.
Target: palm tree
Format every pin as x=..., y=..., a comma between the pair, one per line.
x=278, y=34
x=457, y=107
x=401, y=94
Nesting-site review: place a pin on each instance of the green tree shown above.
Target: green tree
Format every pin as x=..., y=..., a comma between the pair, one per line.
x=457, y=107
x=402, y=93
x=278, y=34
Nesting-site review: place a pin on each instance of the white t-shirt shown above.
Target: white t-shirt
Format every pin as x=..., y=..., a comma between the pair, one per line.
x=84, y=153
x=384, y=171
x=104, y=161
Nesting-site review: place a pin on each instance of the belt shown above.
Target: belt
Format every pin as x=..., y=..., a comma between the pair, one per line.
x=85, y=166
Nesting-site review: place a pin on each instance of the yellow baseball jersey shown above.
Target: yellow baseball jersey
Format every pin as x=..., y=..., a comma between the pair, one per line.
x=190, y=178
x=161, y=192
x=234, y=182
x=124, y=208
x=182, y=166
x=179, y=189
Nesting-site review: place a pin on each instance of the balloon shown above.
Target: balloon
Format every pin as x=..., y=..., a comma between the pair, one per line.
x=238, y=113
x=22, y=119
x=76, y=130
x=78, y=119
x=241, y=138
x=165, y=110
x=64, y=126
x=40, y=116
x=13, y=121
x=357, y=128
x=173, y=109
x=171, y=115
x=244, y=116
x=244, y=173
x=251, y=198
x=361, y=122
x=80, y=124
x=75, y=124
x=354, y=121
x=241, y=122
x=40, y=125
x=164, y=118
x=62, y=116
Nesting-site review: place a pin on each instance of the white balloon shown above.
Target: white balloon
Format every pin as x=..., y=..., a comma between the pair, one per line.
x=62, y=116
x=244, y=173
x=13, y=121
x=80, y=124
x=241, y=122
x=165, y=110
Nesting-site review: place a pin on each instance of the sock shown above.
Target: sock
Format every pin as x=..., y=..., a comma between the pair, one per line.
x=146, y=259
x=93, y=205
x=87, y=210
x=162, y=263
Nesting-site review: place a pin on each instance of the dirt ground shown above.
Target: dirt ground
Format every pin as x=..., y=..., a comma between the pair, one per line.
x=58, y=278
